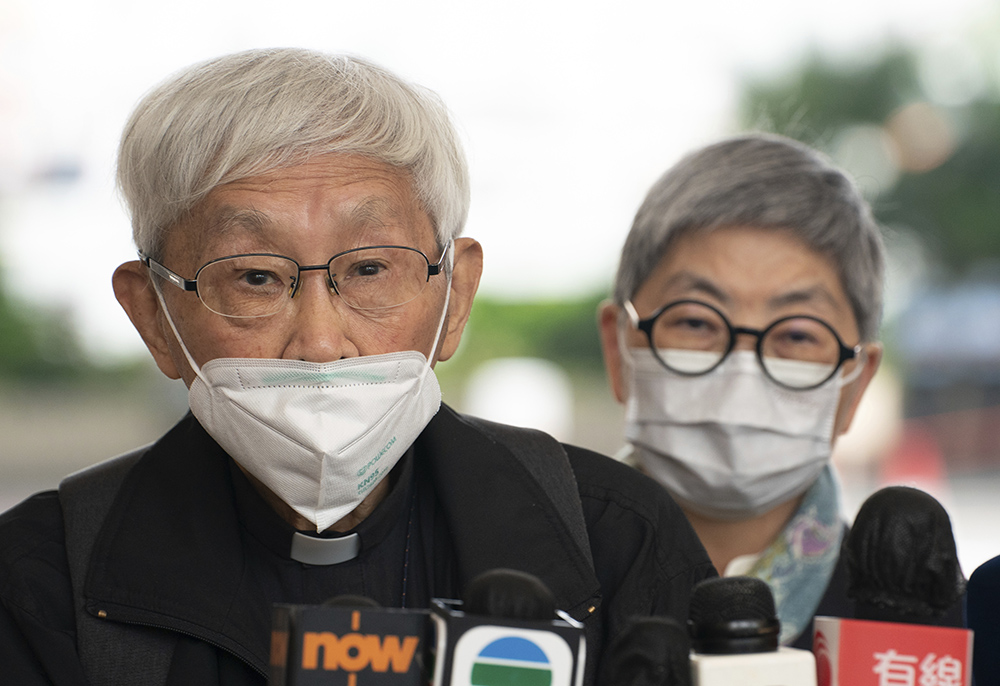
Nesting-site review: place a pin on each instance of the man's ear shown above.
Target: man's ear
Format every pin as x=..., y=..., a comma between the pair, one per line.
x=136, y=295
x=851, y=394
x=607, y=322
x=466, y=271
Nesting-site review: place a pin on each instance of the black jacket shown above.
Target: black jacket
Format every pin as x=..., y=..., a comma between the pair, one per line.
x=156, y=567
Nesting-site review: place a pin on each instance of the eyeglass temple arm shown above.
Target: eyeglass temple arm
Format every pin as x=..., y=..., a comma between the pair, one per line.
x=633, y=316
x=849, y=353
x=435, y=269
x=172, y=277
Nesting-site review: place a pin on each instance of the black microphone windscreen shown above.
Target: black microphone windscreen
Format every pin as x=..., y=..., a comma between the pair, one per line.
x=733, y=614
x=649, y=651
x=902, y=564
x=509, y=594
x=356, y=601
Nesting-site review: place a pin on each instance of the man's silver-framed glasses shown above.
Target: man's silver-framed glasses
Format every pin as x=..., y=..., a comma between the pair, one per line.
x=374, y=277
x=691, y=337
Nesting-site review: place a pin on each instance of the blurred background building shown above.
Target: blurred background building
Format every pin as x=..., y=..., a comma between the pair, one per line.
x=569, y=110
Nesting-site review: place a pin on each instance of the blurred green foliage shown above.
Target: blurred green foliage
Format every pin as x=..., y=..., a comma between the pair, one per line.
x=563, y=331
x=36, y=344
x=954, y=207
x=820, y=97
x=39, y=347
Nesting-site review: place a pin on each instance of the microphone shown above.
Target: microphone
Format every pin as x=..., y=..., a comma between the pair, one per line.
x=510, y=594
x=902, y=564
x=983, y=604
x=344, y=638
x=348, y=600
x=506, y=630
x=905, y=579
x=734, y=637
x=649, y=651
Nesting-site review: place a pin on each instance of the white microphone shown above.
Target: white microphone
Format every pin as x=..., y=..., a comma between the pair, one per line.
x=734, y=637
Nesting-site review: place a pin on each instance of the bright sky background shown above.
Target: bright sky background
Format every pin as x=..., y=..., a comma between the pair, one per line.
x=569, y=111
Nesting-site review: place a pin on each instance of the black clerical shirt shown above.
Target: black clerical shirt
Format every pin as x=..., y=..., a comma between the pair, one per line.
x=393, y=553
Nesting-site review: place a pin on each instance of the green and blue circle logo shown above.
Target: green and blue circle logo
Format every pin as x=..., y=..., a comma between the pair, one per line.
x=511, y=661
x=491, y=655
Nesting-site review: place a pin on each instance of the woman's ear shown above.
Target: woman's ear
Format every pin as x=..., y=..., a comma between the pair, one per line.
x=850, y=395
x=608, y=315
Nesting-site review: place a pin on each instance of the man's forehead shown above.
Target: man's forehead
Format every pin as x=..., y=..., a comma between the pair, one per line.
x=367, y=212
x=346, y=205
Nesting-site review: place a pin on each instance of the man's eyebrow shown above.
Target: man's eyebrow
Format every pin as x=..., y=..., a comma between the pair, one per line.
x=373, y=212
x=228, y=219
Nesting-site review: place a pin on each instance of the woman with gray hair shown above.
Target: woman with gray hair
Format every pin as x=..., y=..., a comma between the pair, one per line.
x=741, y=338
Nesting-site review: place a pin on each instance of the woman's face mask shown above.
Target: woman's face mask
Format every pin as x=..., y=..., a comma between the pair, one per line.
x=730, y=444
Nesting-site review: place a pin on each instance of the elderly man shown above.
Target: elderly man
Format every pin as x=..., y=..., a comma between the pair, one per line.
x=741, y=338
x=298, y=217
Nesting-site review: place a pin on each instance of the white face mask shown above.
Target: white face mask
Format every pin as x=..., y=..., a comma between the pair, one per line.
x=320, y=436
x=730, y=444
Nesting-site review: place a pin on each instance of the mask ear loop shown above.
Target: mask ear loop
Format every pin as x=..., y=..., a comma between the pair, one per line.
x=447, y=298
x=170, y=321
x=627, y=318
x=853, y=375
x=626, y=315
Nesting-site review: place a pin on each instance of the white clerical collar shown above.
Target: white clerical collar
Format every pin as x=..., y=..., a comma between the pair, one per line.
x=312, y=550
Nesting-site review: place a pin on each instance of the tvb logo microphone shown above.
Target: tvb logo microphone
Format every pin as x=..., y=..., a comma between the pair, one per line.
x=506, y=631
x=496, y=656
x=320, y=645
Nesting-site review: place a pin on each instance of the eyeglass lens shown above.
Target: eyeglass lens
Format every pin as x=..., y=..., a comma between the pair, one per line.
x=691, y=338
x=261, y=285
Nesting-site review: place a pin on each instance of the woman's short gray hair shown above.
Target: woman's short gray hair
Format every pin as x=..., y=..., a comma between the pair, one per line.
x=762, y=181
x=251, y=112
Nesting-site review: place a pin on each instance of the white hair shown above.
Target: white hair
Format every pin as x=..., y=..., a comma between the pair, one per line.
x=763, y=181
x=252, y=112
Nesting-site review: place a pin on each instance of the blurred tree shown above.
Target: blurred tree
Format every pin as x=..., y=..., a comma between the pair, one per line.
x=820, y=98
x=956, y=207
x=36, y=344
x=945, y=159
x=563, y=331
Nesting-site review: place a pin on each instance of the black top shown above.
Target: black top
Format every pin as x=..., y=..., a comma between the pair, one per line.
x=188, y=547
x=391, y=547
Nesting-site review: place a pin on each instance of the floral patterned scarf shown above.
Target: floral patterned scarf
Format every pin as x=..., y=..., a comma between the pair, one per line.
x=799, y=563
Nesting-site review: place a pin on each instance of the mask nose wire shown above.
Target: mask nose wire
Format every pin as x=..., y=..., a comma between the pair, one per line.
x=180, y=341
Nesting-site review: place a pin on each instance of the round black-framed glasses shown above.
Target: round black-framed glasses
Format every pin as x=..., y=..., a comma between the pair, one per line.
x=691, y=338
x=251, y=285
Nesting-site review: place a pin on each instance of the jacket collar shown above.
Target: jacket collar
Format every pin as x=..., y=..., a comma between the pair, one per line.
x=170, y=551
